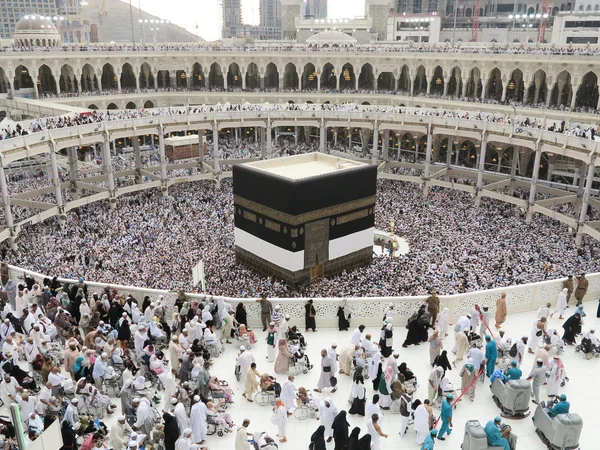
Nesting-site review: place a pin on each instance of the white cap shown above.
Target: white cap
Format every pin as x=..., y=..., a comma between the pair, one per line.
x=75, y=401
x=196, y=398
x=136, y=400
x=391, y=305
x=187, y=431
x=121, y=418
x=242, y=348
x=104, y=355
x=277, y=306
x=132, y=444
x=173, y=401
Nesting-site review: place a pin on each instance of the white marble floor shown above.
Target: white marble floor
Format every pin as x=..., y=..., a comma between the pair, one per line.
x=582, y=394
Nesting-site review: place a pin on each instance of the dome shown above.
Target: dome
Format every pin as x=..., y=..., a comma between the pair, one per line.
x=331, y=37
x=35, y=23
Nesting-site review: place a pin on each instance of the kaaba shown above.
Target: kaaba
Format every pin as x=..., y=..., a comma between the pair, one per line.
x=304, y=217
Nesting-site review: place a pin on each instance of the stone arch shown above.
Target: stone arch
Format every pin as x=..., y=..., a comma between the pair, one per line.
x=89, y=81
x=127, y=77
x=109, y=79
x=404, y=81
x=328, y=77
x=271, y=79
x=587, y=93
x=252, y=76
x=67, y=80
x=4, y=83
x=290, y=76
x=538, y=90
x=515, y=87
x=310, y=77
x=455, y=82
x=474, y=85
x=437, y=81
x=198, y=77
x=130, y=105
x=92, y=106
x=420, y=82
x=215, y=77
x=366, y=78
x=112, y=106
x=163, y=79
x=146, y=77
x=181, y=79
x=561, y=91
x=347, y=77
x=386, y=81
x=494, y=84
x=46, y=81
x=234, y=76
x=148, y=104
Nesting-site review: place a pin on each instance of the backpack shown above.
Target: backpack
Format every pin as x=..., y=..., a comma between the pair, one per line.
x=513, y=350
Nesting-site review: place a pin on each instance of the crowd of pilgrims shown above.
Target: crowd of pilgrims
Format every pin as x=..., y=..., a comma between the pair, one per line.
x=153, y=241
x=79, y=346
x=13, y=129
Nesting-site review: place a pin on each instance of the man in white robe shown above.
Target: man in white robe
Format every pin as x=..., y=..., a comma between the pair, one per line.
x=288, y=393
x=183, y=421
x=116, y=436
x=245, y=358
x=357, y=335
x=198, y=417
x=561, y=304
x=332, y=353
x=8, y=389
x=327, y=412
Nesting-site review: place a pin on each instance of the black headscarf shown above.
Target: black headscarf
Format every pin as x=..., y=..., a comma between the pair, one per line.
x=353, y=439
x=171, y=431
x=240, y=314
x=340, y=428
x=318, y=437
x=364, y=443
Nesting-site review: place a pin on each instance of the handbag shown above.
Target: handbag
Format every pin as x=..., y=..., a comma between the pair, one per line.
x=327, y=369
x=333, y=381
x=538, y=333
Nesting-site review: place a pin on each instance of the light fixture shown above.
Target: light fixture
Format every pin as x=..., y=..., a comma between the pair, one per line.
x=511, y=85
x=438, y=81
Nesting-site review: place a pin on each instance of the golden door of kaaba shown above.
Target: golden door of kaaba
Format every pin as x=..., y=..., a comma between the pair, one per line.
x=316, y=246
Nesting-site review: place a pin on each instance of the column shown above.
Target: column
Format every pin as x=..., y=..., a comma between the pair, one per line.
x=263, y=147
x=526, y=93
x=56, y=184
x=385, y=146
x=585, y=201
x=34, y=76
x=427, y=170
x=457, y=155
x=318, y=82
x=57, y=82
x=262, y=81
x=417, y=143
x=299, y=81
x=99, y=80
x=107, y=163
x=375, y=150
x=412, y=86
x=445, y=87
x=243, y=75
x=429, y=87
x=536, y=96
x=295, y=135
x=281, y=84
x=548, y=94
x=483, y=88
x=269, y=139
x=200, y=151
x=215, y=154
x=534, y=182
x=73, y=170
x=137, y=155
x=464, y=89
x=481, y=169
x=137, y=81
x=5, y=198
x=573, y=95
x=513, y=168
x=504, y=88
x=163, y=160
x=322, y=137
x=118, y=81
x=337, y=81
x=449, y=148
x=355, y=82
x=598, y=104
x=375, y=77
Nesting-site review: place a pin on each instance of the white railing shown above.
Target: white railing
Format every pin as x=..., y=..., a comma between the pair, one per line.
x=366, y=310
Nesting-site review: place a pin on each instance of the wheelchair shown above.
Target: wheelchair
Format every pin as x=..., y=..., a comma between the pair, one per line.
x=264, y=398
x=213, y=427
x=306, y=410
x=112, y=387
x=588, y=349
x=395, y=406
x=298, y=366
x=214, y=349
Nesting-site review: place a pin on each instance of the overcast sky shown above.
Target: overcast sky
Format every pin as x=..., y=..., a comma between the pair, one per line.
x=206, y=14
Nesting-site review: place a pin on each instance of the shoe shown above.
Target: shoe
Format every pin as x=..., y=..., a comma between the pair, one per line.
x=265, y=329
x=329, y=439
x=442, y=438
